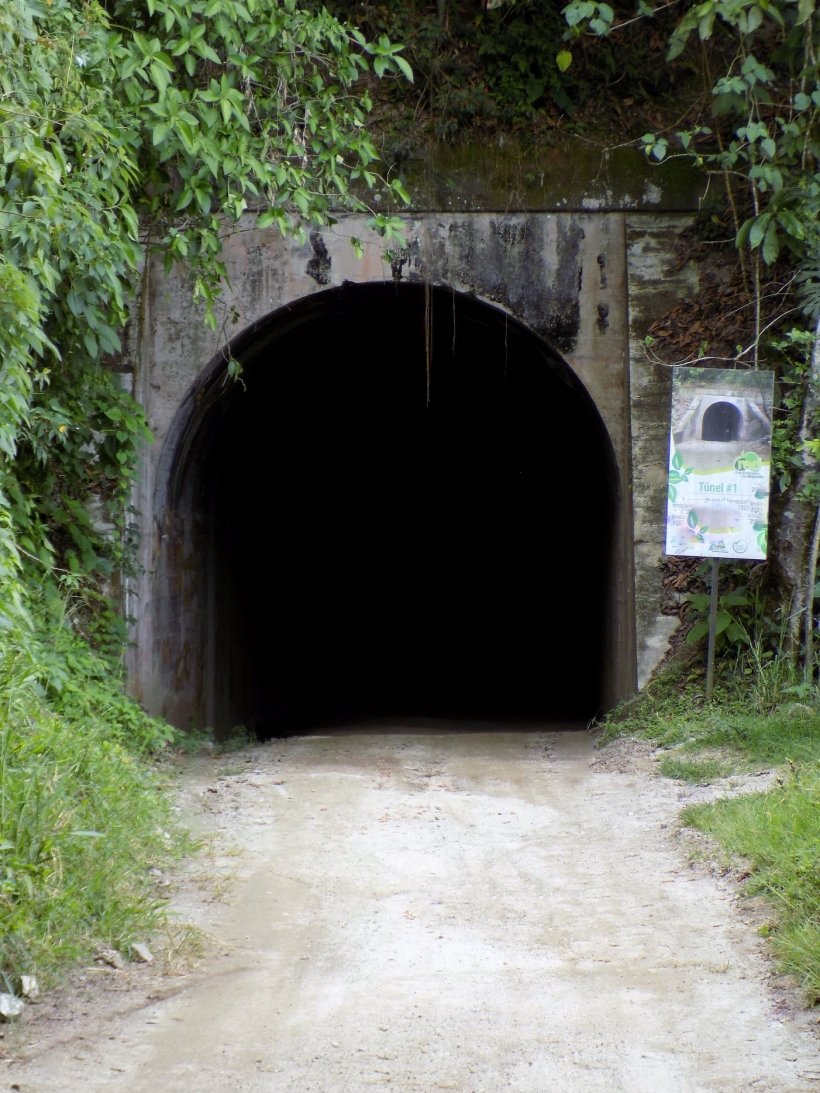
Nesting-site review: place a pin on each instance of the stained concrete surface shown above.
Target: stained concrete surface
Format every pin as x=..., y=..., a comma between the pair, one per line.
x=466, y=911
x=562, y=279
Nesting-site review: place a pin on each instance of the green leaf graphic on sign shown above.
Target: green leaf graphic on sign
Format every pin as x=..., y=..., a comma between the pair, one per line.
x=692, y=519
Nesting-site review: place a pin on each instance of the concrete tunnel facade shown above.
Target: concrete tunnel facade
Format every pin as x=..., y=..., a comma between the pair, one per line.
x=506, y=440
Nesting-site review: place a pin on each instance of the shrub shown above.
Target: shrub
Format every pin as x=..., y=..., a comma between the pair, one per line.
x=84, y=814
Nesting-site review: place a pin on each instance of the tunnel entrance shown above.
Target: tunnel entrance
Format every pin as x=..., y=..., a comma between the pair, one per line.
x=722, y=421
x=405, y=507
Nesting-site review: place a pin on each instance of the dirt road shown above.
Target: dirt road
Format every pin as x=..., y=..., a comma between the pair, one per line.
x=474, y=912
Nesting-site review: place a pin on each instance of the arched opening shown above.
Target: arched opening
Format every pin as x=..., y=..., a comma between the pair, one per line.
x=406, y=506
x=722, y=421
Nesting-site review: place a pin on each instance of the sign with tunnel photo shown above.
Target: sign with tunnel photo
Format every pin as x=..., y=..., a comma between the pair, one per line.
x=719, y=463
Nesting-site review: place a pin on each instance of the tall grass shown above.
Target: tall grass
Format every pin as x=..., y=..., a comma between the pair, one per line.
x=764, y=717
x=778, y=834
x=83, y=815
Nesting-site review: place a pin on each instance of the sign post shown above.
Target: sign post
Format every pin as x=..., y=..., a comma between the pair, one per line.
x=710, y=650
x=718, y=481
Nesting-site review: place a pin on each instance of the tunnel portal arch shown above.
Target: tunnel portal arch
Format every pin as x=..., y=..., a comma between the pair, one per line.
x=406, y=504
x=722, y=421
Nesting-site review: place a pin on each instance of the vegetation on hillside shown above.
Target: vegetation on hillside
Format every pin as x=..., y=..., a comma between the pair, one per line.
x=129, y=126
x=83, y=812
x=493, y=69
x=124, y=127
x=754, y=127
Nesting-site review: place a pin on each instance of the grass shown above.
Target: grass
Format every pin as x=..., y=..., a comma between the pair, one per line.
x=695, y=771
x=84, y=810
x=778, y=835
x=752, y=725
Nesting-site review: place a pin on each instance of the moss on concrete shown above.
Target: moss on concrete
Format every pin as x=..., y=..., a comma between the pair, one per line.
x=576, y=175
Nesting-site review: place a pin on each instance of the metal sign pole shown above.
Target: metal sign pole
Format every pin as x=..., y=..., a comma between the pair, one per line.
x=710, y=654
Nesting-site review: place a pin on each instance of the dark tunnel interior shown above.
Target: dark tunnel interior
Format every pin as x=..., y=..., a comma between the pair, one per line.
x=722, y=421
x=378, y=553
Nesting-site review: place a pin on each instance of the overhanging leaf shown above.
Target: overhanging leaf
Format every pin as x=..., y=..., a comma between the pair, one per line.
x=805, y=9
x=698, y=631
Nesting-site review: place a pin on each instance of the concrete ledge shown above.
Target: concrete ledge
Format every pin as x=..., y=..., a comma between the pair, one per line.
x=576, y=176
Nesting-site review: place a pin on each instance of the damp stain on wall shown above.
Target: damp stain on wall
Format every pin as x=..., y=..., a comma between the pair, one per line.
x=319, y=265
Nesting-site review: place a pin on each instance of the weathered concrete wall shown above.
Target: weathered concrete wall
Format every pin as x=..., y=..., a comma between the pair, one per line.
x=588, y=282
x=577, y=176
x=655, y=285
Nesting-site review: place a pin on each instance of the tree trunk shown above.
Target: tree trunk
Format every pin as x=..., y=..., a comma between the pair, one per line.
x=811, y=578
x=791, y=556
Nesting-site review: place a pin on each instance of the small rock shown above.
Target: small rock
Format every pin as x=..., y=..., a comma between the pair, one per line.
x=29, y=986
x=799, y=709
x=10, y=1007
x=142, y=953
x=111, y=957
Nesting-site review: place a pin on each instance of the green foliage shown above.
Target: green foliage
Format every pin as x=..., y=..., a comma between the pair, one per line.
x=766, y=106
x=750, y=629
x=754, y=738
x=661, y=702
x=777, y=834
x=83, y=817
x=522, y=71
x=245, y=103
x=84, y=684
x=761, y=707
x=764, y=144
x=133, y=125
x=124, y=127
x=487, y=68
x=729, y=628
x=598, y=17
x=791, y=352
x=694, y=771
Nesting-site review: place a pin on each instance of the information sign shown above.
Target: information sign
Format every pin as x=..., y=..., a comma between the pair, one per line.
x=719, y=463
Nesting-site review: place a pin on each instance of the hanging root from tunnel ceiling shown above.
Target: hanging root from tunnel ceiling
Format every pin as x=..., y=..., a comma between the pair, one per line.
x=428, y=332
x=506, y=344
x=453, y=291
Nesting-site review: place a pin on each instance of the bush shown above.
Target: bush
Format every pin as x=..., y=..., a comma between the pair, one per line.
x=83, y=811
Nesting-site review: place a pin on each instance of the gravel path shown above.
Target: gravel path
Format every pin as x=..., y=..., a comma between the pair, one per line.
x=474, y=912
